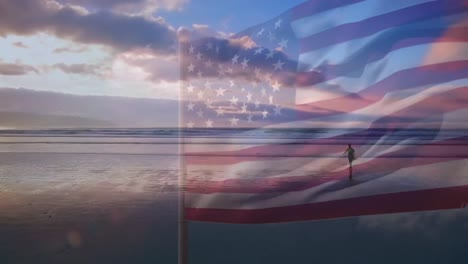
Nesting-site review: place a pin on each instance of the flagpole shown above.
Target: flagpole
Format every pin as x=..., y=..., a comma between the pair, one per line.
x=182, y=223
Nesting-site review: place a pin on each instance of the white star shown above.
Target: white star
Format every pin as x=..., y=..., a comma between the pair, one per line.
x=271, y=36
x=200, y=94
x=277, y=110
x=221, y=72
x=191, y=67
x=231, y=83
x=278, y=65
x=191, y=49
x=235, y=58
x=200, y=113
x=190, y=106
x=244, y=108
x=276, y=86
x=234, y=121
x=209, y=123
x=209, y=63
x=263, y=92
x=199, y=56
x=250, y=44
x=254, y=83
x=283, y=43
x=249, y=118
x=260, y=32
x=270, y=99
x=257, y=72
x=219, y=112
x=229, y=70
x=208, y=103
x=190, y=88
x=244, y=63
x=270, y=54
x=220, y=91
x=190, y=124
x=249, y=97
x=278, y=23
x=258, y=50
x=207, y=84
x=257, y=104
x=265, y=114
x=268, y=76
x=243, y=90
x=209, y=45
x=199, y=74
x=234, y=100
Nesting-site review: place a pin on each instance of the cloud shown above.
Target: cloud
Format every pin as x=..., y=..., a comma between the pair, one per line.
x=70, y=50
x=16, y=69
x=20, y=44
x=121, y=32
x=79, y=68
x=130, y=6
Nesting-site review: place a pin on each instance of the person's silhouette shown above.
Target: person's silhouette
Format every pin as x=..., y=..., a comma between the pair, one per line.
x=351, y=157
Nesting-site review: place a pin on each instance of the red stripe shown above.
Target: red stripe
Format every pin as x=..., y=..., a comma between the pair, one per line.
x=413, y=201
x=375, y=24
x=405, y=79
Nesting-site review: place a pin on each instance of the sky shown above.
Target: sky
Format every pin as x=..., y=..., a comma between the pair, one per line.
x=111, y=47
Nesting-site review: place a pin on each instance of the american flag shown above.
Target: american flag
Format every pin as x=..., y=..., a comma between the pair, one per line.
x=389, y=77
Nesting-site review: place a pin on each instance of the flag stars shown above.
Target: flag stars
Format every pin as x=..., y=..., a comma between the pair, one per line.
x=190, y=88
x=207, y=84
x=277, y=110
x=244, y=108
x=200, y=113
x=257, y=104
x=234, y=100
x=278, y=23
x=191, y=49
x=190, y=106
x=235, y=59
x=191, y=67
x=200, y=94
x=263, y=92
x=209, y=46
x=276, y=86
x=220, y=91
x=209, y=64
x=245, y=63
x=278, y=65
x=234, y=121
x=261, y=32
x=231, y=83
x=209, y=123
x=199, y=56
x=190, y=124
x=258, y=50
x=219, y=112
x=249, y=118
x=199, y=74
x=283, y=43
x=270, y=54
x=249, y=97
x=265, y=114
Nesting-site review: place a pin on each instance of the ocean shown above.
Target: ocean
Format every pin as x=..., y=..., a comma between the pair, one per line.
x=112, y=196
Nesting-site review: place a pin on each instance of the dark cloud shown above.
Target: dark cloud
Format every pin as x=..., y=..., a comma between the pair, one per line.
x=16, y=69
x=78, y=68
x=70, y=49
x=20, y=44
x=118, y=31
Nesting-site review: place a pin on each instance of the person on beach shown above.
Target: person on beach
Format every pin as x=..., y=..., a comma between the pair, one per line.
x=351, y=157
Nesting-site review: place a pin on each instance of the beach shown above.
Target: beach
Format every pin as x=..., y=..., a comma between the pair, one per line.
x=114, y=199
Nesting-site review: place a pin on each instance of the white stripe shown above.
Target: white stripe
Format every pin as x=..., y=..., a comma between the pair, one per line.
x=398, y=60
x=439, y=175
x=383, y=107
x=341, y=52
x=314, y=24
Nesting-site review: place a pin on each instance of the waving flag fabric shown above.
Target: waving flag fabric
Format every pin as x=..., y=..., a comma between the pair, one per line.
x=277, y=103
